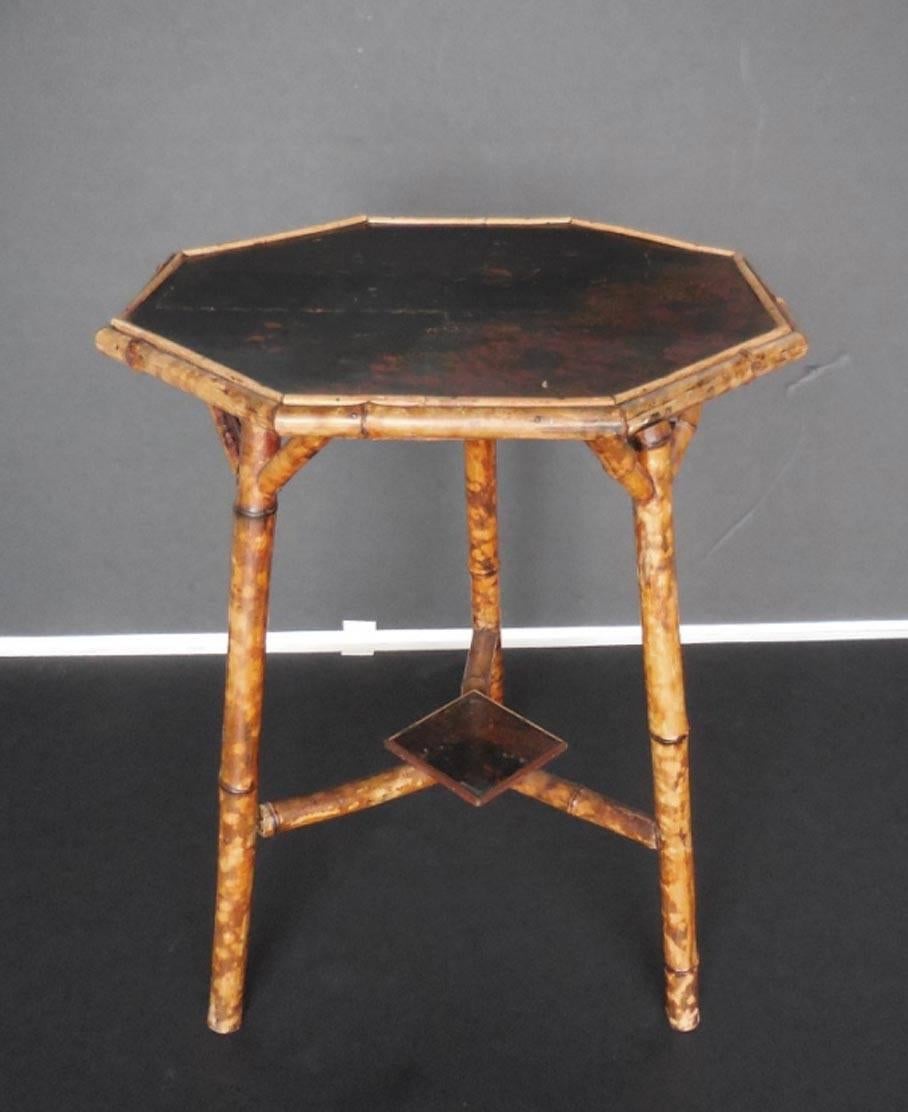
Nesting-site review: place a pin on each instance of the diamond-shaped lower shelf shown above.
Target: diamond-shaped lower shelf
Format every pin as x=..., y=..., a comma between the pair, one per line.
x=475, y=747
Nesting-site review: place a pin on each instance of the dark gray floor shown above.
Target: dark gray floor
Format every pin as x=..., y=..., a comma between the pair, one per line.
x=426, y=955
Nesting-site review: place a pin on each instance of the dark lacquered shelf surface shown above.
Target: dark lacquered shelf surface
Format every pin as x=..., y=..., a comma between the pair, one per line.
x=475, y=747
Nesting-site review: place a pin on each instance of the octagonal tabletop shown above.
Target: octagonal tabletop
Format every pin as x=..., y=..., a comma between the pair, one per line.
x=510, y=312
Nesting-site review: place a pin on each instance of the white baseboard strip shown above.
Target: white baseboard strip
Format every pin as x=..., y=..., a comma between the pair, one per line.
x=364, y=639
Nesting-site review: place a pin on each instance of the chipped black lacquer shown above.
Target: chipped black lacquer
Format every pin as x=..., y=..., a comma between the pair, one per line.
x=462, y=310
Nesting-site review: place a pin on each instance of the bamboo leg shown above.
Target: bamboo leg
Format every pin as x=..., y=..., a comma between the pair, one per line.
x=482, y=524
x=253, y=537
x=668, y=728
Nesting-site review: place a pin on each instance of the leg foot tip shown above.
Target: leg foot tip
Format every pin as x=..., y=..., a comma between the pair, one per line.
x=225, y=1026
x=681, y=998
x=688, y=1021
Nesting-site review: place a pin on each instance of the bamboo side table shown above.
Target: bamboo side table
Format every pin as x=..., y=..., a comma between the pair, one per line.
x=477, y=330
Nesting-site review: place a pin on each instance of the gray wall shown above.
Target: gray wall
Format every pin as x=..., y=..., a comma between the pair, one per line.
x=130, y=129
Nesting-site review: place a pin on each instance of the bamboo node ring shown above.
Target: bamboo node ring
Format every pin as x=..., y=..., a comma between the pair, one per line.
x=232, y=789
x=572, y=802
x=654, y=436
x=254, y=515
x=669, y=740
x=269, y=820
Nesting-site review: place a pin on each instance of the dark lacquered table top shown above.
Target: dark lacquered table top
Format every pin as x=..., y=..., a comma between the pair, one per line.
x=479, y=310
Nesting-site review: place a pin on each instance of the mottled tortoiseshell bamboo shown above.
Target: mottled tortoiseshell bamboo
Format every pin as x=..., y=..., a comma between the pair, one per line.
x=668, y=726
x=253, y=538
x=346, y=799
x=126, y=343
x=619, y=460
x=289, y=459
x=584, y=803
x=481, y=480
x=672, y=398
x=462, y=421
